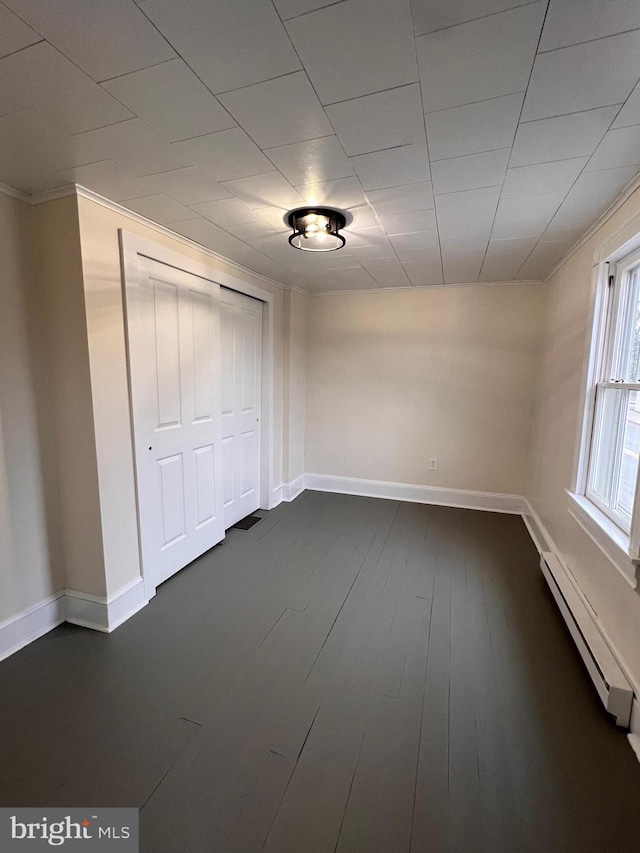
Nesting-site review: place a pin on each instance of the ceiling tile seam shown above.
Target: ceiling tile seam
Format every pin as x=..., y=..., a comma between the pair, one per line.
x=20, y=49
x=475, y=154
x=426, y=138
x=300, y=142
x=470, y=189
x=311, y=11
x=379, y=290
x=257, y=83
x=473, y=20
x=138, y=70
x=481, y=101
x=581, y=172
x=495, y=213
x=589, y=41
x=575, y=112
x=369, y=94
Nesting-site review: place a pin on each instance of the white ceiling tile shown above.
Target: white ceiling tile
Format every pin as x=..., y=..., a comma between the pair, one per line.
x=33, y=152
x=557, y=176
x=367, y=237
x=630, y=112
x=208, y=234
x=135, y=146
x=462, y=265
x=416, y=240
x=160, y=208
x=363, y=217
x=14, y=33
x=346, y=193
x=191, y=185
x=471, y=211
x=405, y=165
x=513, y=229
x=480, y=59
x=583, y=77
x=356, y=47
x=560, y=138
x=227, y=154
x=525, y=216
x=42, y=79
x=407, y=223
x=383, y=120
x=278, y=112
x=273, y=216
x=505, y=257
x=572, y=21
x=430, y=15
x=387, y=272
x=254, y=232
x=473, y=128
x=542, y=260
x=380, y=252
x=619, y=147
x=356, y=278
x=170, y=98
x=424, y=273
x=406, y=199
x=105, y=39
x=265, y=190
x=471, y=172
x=108, y=179
x=429, y=257
x=541, y=206
x=591, y=194
x=292, y=8
x=228, y=45
x=311, y=162
x=227, y=211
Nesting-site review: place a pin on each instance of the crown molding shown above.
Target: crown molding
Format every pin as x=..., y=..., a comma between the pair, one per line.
x=613, y=208
x=5, y=189
x=426, y=287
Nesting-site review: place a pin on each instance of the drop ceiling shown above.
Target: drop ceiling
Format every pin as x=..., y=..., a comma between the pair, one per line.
x=471, y=141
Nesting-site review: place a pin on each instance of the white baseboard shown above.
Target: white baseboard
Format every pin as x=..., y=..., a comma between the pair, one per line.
x=290, y=491
x=489, y=501
x=31, y=623
x=102, y=613
x=276, y=497
x=69, y=605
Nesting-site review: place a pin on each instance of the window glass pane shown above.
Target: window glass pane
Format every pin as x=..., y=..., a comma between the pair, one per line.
x=603, y=452
x=631, y=346
x=625, y=488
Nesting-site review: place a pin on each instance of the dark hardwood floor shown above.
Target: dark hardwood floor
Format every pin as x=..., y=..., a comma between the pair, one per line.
x=351, y=675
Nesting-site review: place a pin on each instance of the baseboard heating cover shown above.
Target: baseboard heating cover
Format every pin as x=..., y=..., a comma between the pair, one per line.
x=609, y=680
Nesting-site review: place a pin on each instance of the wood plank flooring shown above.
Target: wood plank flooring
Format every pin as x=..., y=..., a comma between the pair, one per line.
x=351, y=675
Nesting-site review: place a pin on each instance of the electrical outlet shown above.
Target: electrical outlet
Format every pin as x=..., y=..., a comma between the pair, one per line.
x=433, y=464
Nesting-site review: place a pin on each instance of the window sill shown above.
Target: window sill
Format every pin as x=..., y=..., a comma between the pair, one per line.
x=613, y=543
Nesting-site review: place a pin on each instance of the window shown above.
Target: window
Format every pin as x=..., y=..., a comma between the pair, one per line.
x=603, y=499
x=612, y=466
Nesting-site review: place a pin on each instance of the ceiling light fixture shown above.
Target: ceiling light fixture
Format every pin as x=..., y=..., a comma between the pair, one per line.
x=316, y=229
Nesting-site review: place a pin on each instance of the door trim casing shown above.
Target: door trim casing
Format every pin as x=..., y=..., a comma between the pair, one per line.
x=132, y=246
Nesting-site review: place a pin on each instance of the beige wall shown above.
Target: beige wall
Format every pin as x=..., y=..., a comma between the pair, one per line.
x=396, y=377
x=106, y=340
x=29, y=570
x=557, y=416
x=296, y=347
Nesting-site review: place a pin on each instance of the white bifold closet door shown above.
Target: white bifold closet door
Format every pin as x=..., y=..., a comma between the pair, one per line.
x=241, y=324
x=173, y=325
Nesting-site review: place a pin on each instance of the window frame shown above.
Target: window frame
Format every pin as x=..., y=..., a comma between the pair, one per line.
x=621, y=546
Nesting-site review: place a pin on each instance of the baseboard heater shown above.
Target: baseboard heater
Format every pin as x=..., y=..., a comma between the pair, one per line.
x=610, y=681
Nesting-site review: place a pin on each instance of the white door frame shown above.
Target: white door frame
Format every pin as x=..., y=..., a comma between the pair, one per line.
x=132, y=245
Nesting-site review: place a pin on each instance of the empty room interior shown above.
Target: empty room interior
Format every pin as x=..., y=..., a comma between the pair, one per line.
x=320, y=425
